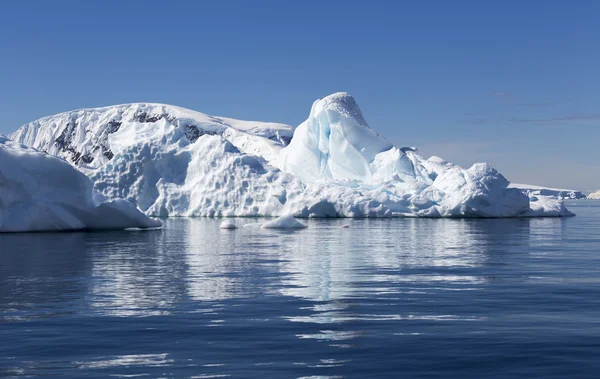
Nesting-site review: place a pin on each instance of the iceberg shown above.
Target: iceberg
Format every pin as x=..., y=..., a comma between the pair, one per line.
x=594, y=195
x=39, y=192
x=170, y=161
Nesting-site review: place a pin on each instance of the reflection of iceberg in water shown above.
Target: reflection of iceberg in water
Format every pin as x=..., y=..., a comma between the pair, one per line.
x=335, y=268
x=400, y=261
x=337, y=264
x=137, y=275
x=213, y=261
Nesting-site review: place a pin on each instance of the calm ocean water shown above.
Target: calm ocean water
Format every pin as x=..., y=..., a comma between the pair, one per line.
x=382, y=299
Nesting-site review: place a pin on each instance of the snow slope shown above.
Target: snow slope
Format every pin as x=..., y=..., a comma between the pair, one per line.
x=39, y=192
x=174, y=162
x=81, y=136
x=545, y=191
x=594, y=195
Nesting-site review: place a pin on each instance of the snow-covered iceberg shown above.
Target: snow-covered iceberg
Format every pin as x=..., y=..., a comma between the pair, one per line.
x=170, y=161
x=39, y=192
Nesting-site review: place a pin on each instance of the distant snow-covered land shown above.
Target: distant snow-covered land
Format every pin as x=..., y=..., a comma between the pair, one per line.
x=546, y=191
x=171, y=161
x=594, y=195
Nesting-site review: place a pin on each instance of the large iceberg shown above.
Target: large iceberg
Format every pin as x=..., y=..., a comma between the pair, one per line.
x=594, y=195
x=170, y=161
x=39, y=192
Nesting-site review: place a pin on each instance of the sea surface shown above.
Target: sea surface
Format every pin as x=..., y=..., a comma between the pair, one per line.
x=387, y=298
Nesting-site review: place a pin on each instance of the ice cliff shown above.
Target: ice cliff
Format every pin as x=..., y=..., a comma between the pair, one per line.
x=170, y=161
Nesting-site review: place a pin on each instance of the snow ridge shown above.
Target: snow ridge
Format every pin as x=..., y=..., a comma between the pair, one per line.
x=81, y=136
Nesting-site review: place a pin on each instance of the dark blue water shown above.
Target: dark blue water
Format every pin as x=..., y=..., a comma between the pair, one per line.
x=382, y=299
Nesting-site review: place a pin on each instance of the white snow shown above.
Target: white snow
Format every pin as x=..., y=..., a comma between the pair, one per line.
x=283, y=222
x=228, y=225
x=39, y=192
x=169, y=161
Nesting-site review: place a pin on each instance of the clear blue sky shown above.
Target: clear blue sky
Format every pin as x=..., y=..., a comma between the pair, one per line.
x=513, y=83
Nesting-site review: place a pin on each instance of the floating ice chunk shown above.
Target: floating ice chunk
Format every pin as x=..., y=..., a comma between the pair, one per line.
x=283, y=222
x=228, y=225
x=39, y=192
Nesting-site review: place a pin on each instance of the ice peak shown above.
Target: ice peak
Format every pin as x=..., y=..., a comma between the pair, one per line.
x=342, y=103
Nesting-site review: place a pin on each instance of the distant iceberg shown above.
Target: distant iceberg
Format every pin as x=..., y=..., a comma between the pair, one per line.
x=547, y=191
x=171, y=161
x=39, y=192
x=594, y=195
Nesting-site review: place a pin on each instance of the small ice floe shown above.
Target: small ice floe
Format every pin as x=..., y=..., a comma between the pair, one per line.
x=253, y=225
x=228, y=225
x=284, y=222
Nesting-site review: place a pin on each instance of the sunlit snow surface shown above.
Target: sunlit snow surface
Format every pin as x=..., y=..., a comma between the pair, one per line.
x=174, y=162
x=39, y=192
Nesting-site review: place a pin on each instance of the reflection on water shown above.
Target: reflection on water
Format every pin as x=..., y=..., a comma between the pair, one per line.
x=211, y=302
x=135, y=275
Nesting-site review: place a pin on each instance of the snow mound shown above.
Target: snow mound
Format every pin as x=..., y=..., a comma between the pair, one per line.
x=228, y=225
x=39, y=192
x=284, y=222
x=174, y=162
